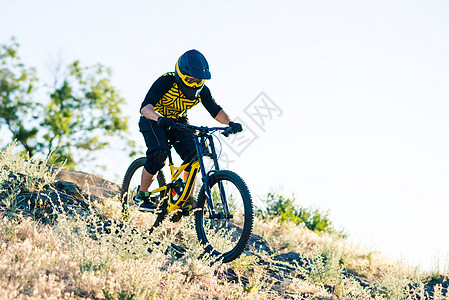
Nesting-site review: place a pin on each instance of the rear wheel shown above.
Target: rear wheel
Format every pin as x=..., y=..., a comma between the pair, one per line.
x=131, y=183
x=225, y=238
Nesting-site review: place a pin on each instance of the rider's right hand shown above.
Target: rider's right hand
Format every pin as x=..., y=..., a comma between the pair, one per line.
x=165, y=122
x=236, y=127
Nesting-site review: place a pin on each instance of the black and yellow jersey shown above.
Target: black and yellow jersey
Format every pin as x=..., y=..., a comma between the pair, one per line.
x=169, y=101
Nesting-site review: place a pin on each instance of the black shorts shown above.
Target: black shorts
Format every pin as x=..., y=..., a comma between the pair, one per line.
x=157, y=137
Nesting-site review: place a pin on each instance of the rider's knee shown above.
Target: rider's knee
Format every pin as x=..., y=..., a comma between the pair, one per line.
x=155, y=161
x=187, y=157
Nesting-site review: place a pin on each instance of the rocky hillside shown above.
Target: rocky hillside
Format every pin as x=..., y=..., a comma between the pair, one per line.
x=62, y=236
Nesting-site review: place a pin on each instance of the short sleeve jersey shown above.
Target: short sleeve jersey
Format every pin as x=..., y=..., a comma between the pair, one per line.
x=168, y=100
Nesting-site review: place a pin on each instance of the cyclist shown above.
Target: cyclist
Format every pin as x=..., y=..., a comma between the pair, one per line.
x=166, y=103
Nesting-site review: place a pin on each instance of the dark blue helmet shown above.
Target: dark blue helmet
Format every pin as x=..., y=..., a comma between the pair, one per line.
x=191, y=71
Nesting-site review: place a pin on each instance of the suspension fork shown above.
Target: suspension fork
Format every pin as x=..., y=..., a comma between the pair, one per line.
x=199, y=142
x=220, y=185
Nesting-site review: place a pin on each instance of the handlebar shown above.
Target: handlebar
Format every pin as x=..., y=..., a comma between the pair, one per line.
x=226, y=131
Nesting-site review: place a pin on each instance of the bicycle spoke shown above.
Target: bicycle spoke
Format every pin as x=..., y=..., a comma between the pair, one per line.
x=226, y=234
x=130, y=188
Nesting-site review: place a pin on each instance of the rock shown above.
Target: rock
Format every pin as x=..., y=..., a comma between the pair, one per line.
x=45, y=206
x=292, y=258
x=68, y=188
x=89, y=183
x=257, y=243
x=17, y=181
x=103, y=227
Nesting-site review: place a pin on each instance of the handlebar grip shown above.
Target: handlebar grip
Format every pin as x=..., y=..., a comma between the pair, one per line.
x=227, y=132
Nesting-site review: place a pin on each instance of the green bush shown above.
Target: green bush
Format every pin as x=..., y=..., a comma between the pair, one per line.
x=286, y=210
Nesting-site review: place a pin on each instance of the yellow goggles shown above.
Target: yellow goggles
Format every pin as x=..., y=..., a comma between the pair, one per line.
x=188, y=80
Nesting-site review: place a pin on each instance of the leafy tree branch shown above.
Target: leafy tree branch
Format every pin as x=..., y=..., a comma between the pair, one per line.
x=82, y=114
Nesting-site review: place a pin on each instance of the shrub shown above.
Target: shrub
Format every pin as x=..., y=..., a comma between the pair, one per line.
x=286, y=209
x=20, y=173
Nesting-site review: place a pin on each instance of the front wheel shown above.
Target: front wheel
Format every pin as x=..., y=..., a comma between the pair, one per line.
x=225, y=237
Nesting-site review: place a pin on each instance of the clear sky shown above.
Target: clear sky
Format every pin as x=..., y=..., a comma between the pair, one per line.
x=354, y=112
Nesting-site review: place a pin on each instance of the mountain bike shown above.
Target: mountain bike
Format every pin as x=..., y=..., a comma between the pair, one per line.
x=224, y=213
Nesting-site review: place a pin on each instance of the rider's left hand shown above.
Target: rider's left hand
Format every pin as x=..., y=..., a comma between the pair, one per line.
x=236, y=127
x=165, y=122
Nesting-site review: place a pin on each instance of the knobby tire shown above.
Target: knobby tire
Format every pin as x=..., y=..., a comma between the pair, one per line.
x=235, y=234
x=127, y=197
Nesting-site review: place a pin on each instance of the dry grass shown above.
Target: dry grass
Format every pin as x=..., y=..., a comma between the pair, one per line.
x=35, y=172
x=65, y=261
x=333, y=265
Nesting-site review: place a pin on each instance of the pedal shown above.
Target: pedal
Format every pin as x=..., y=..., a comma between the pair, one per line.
x=176, y=217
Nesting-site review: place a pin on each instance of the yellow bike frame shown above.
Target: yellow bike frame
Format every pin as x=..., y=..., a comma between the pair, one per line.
x=168, y=190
